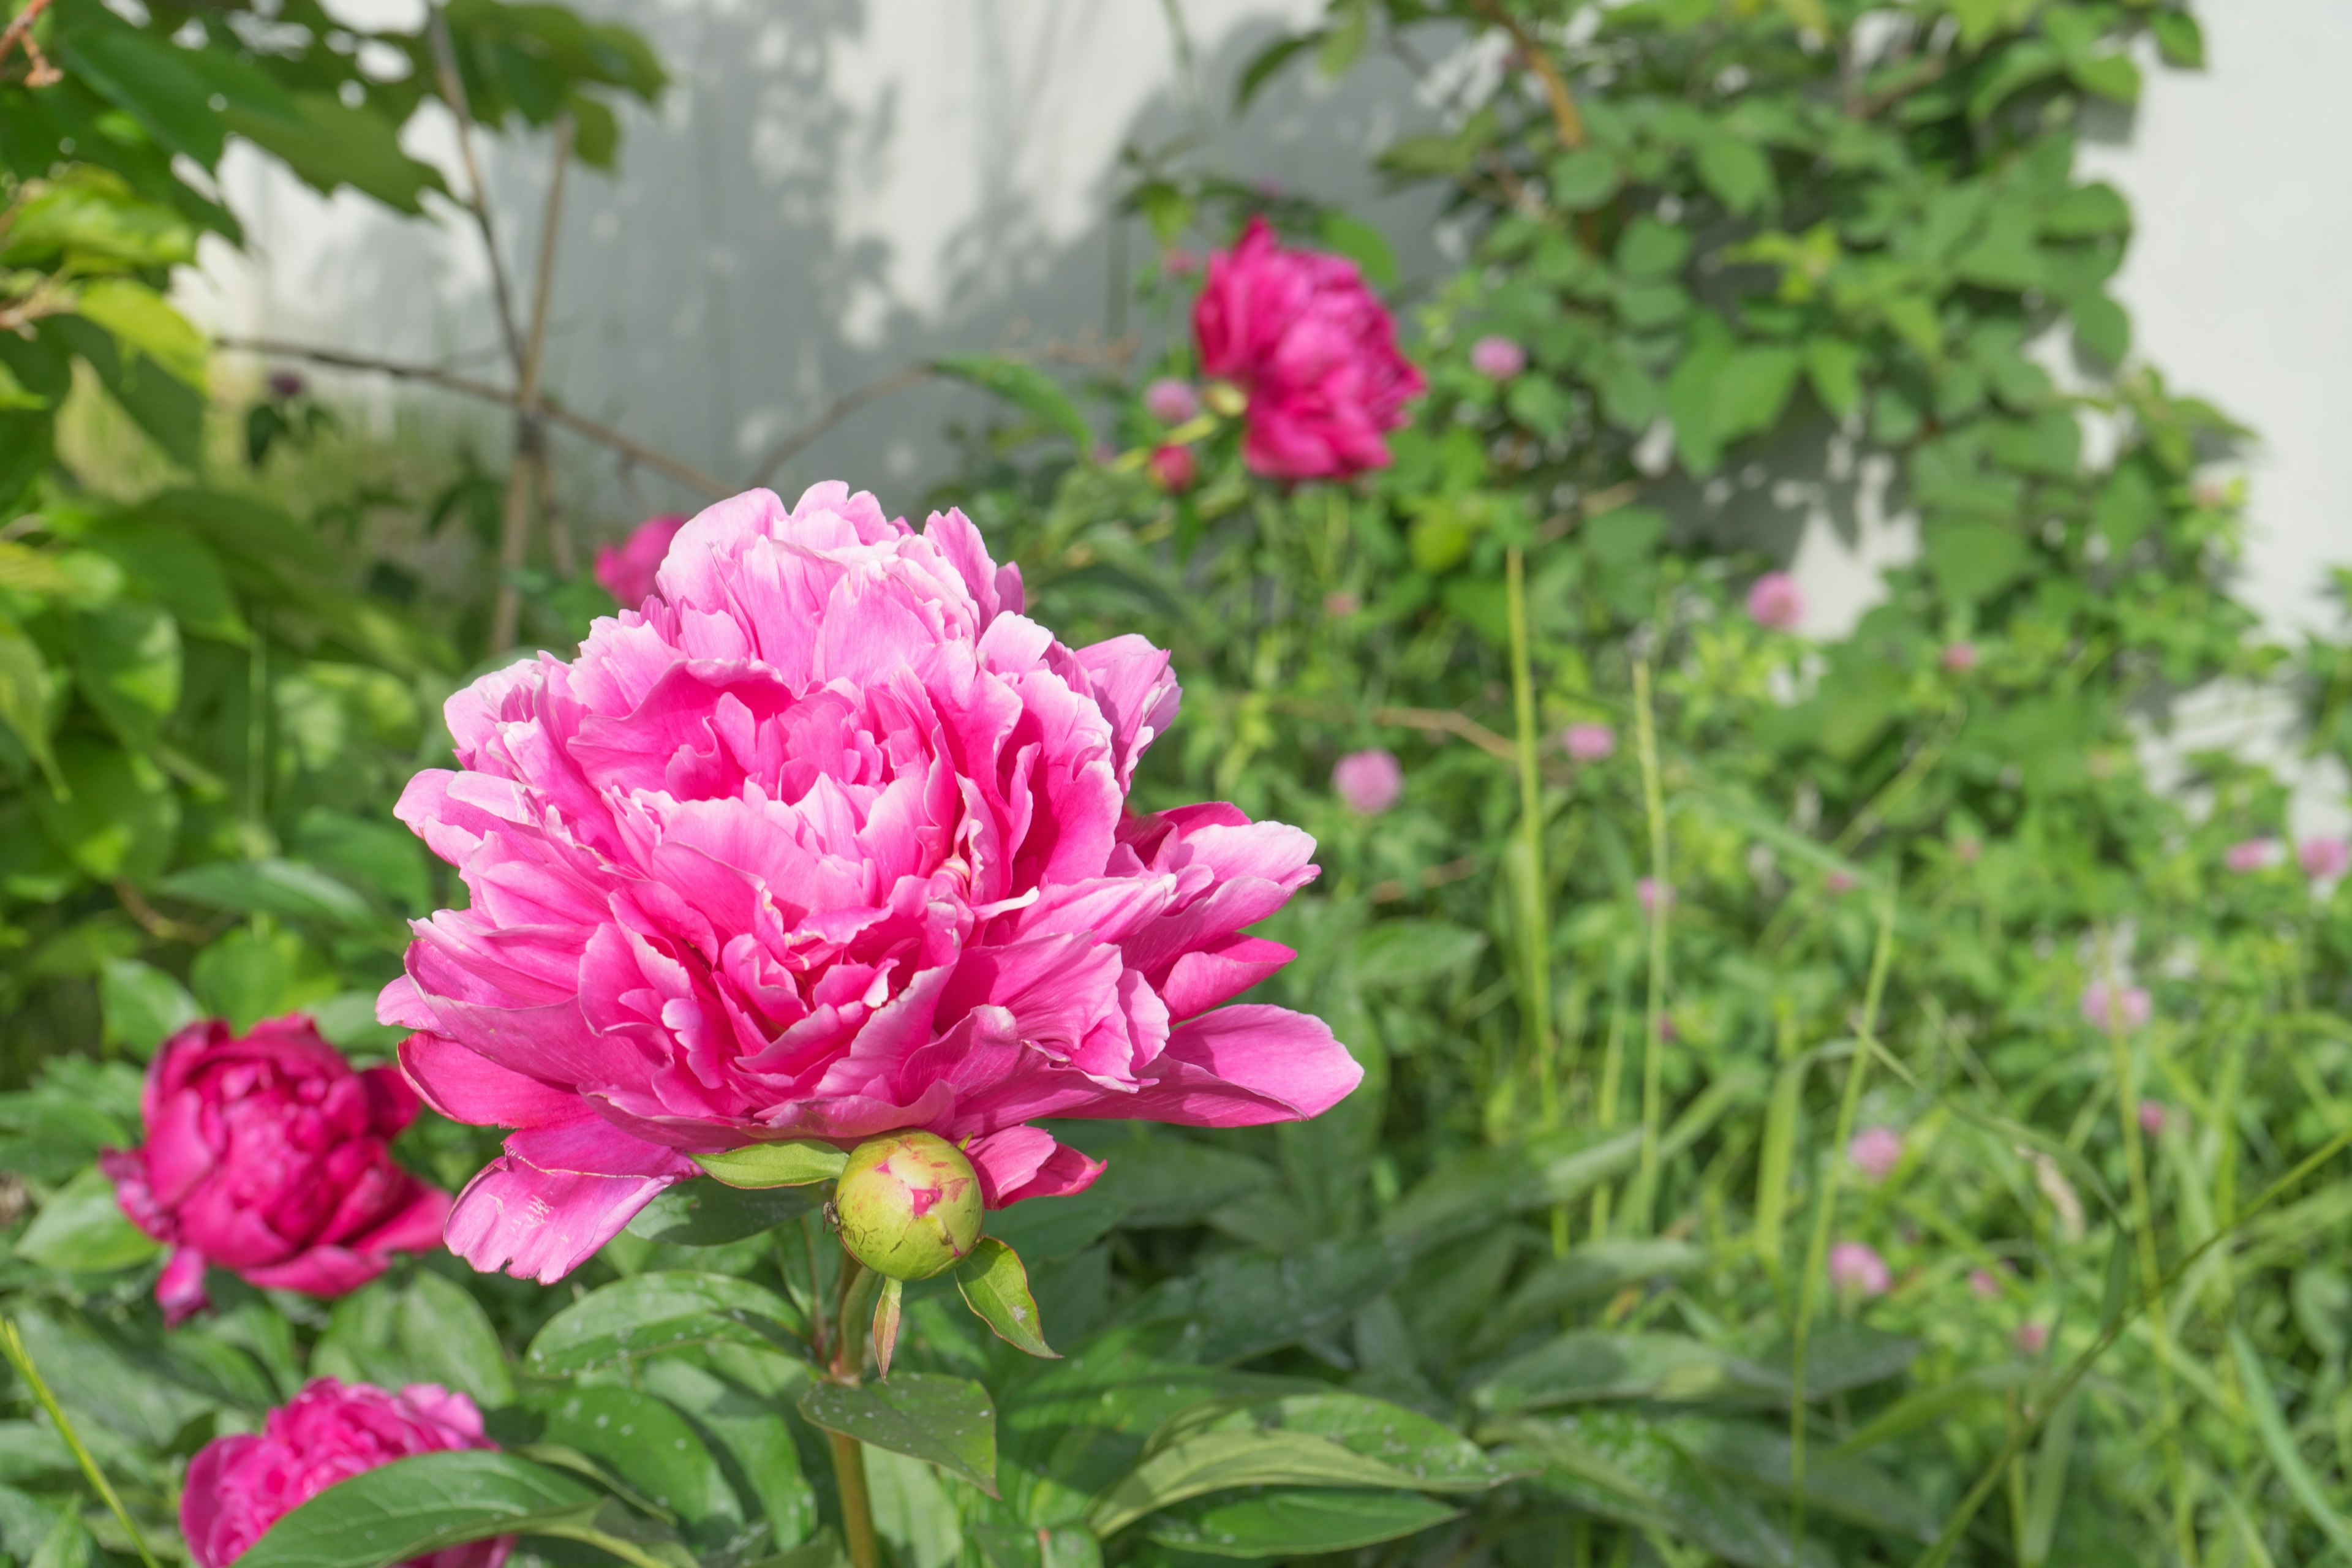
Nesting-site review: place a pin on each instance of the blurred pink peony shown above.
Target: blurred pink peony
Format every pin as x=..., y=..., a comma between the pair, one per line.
x=2131, y=1008
x=1856, y=1269
x=267, y=1155
x=2250, y=854
x=2322, y=858
x=1775, y=602
x=1173, y=467
x=1179, y=263
x=1876, y=1151
x=1339, y=602
x=1497, y=358
x=1315, y=350
x=1839, y=882
x=1983, y=1285
x=1960, y=657
x=1646, y=893
x=2032, y=1338
x=1589, y=742
x=626, y=570
x=829, y=841
x=1369, y=782
x=1171, y=400
x=2153, y=1116
x=238, y=1487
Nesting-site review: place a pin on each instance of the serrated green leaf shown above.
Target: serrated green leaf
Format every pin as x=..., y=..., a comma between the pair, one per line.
x=950, y=1421
x=791, y=1164
x=648, y=1313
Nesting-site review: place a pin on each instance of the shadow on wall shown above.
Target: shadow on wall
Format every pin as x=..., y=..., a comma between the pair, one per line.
x=778, y=233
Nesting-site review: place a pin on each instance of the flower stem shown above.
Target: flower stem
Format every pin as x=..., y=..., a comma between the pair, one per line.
x=1534, y=913
x=1644, y=1195
x=13, y=1346
x=847, y=1365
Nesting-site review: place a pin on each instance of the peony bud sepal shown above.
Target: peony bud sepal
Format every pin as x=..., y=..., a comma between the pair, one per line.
x=774, y=1164
x=888, y=1307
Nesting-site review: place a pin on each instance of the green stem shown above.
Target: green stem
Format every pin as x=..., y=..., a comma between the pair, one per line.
x=1817, y=1247
x=847, y=1365
x=1535, y=914
x=1654, y=805
x=12, y=1345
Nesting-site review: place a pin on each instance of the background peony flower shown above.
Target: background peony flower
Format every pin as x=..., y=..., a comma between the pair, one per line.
x=1170, y=401
x=1497, y=358
x=2131, y=1007
x=286, y=384
x=266, y=1154
x=238, y=1487
x=2249, y=854
x=1589, y=742
x=2153, y=1115
x=1839, y=882
x=626, y=570
x=1369, y=782
x=1314, y=348
x=1983, y=1286
x=1173, y=467
x=1876, y=1151
x=829, y=841
x=1960, y=657
x=1856, y=1269
x=1775, y=602
x=2323, y=858
x=2032, y=1338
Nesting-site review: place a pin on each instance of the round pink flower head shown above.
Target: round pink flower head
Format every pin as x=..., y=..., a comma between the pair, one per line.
x=1369, y=782
x=1876, y=1151
x=1589, y=742
x=1983, y=1285
x=1173, y=467
x=2153, y=1116
x=2249, y=855
x=238, y=1487
x=1171, y=400
x=1960, y=657
x=2322, y=858
x=1839, y=882
x=2032, y=1338
x=829, y=840
x=1650, y=896
x=626, y=570
x=1315, y=350
x=1339, y=603
x=1497, y=358
x=1856, y=1269
x=1775, y=602
x=2129, y=1007
x=268, y=1154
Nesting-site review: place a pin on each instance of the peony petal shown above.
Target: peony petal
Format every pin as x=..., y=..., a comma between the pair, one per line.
x=1242, y=1067
x=1026, y=1162
x=540, y=1226
x=328, y=1271
x=180, y=1288
x=465, y=1085
x=1201, y=979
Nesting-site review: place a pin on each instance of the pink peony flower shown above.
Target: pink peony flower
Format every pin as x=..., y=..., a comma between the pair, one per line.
x=2131, y=1008
x=829, y=841
x=1497, y=358
x=2249, y=855
x=1173, y=467
x=1315, y=350
x=287, y=384
x=266, y=1154
x=1369, y=782
x=1339, y=603
x=2322, y=858
x=2032, y=1338
x=1170, y=401
x=1983, y=1285
x=1960, y=657
x=1589, y=742
x=1856, y=1269
x=1648, y=894
x=1876, y=1151
x=626, y=570
x=1839, y=882
x=2153, y=1115
x=238, y=1487
x=1775, y=602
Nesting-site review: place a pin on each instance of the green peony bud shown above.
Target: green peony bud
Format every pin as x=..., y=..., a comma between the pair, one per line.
x=909, y=1203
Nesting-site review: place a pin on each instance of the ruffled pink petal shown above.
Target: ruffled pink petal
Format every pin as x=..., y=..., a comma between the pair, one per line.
x=326, y=1271
x=537, y=1226
x=180, y=1288
x=1242, y=1067
x=1200, y=980
x=465, y=1085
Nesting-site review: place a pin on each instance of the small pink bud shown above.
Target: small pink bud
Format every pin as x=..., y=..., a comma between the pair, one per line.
x=1968, y=849
x=1339, y=603
x=1180, y=264
x=1170, y=401
x=1839, y=882
x=2131, y=1007
x=1960, y=657
x=1856, y=1269
x=1876, y=1151
x=284, y=384
x=1497, y=358
x=2250, y=855
x=1589, y=742
x=1775, y=602
x=2032, y=1338
x=1983, y=1286
x=2323, y=858
x=2153, y=1115
x=1369, y=782
x=1651, y=896
x=1667, y=1030
x=1173, y=467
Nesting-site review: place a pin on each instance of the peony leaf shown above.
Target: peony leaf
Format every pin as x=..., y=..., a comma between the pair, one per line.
x=415, y=1506
x=82, y=1230
x=996, y=1288
x=1217, y=1461
x=1294, y=1522
x=1550, y=1168
x=648, y=1313
x=950, y=1421
x=1025, y=385
x=710, y=1213
x=774, y=1164
x=653, y=1451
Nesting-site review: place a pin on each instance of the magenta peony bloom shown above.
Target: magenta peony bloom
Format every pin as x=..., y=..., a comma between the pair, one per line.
x=1173, y=467
x=266, y=1155
x=2131, y=1008
x=2249, y=855
x=1170, y=401
x=1839, y=882
x=1339, y=603
x=1775, y=602
x=626, y=570
x=1589, y=742
x=829, y=841
x=238, y=1487
x=1960, y=657
x=1497, y=358
x=1876, y=1151
x=2322, y=858
x=1315, y=350
x=1856, y=1269
x=1983, y=1285
x=1369, y=782
x=2032, y=1338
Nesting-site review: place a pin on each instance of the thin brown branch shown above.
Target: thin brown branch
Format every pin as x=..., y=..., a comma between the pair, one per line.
x=161, y=926
x=579, y=425
x=453, y=93
x=849, y=403
x=530, y=437
x=38, y=71
x=1564, y=116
